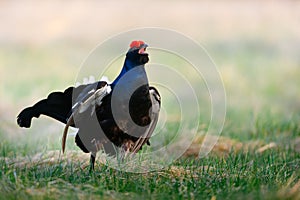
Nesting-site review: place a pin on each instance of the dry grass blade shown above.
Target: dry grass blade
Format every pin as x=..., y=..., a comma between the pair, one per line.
x=266, y=147
x=65, y=133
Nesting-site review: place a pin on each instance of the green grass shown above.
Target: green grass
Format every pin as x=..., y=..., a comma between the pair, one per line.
x=243, y=175
x=246, y=174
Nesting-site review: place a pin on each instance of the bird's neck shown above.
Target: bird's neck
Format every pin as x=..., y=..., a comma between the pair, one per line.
x=137, y=72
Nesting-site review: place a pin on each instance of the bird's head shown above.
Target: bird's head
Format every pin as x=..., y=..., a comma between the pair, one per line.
x=137, y=55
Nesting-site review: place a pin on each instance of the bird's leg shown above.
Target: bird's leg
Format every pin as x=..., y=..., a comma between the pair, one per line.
x=92, y=161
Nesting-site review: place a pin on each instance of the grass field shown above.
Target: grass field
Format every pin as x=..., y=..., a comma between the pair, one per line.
x=256, y=48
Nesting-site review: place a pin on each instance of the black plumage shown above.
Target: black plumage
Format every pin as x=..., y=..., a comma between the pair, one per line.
x=89, y=108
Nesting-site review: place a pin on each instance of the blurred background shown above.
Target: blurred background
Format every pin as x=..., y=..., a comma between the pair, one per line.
x=255, y=45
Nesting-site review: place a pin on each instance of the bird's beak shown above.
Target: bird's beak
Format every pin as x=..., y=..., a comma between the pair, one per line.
x=142, y=49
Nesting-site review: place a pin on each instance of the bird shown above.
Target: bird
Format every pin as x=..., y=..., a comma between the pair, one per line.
x=120, y=114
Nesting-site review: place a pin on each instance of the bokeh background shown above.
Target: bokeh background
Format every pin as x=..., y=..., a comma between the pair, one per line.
x=255, y=45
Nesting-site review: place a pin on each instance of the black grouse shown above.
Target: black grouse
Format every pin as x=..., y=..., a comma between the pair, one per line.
x=122, y=114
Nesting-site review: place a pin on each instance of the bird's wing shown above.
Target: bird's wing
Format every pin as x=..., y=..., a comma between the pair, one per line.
x=92, y=98
x=81, y=95
x=155, y=100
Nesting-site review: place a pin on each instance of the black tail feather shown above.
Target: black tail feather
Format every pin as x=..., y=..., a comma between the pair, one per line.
x=57, y=105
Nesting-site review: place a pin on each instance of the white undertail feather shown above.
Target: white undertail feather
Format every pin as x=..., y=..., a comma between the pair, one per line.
x=155, y=99
x=85, y=80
